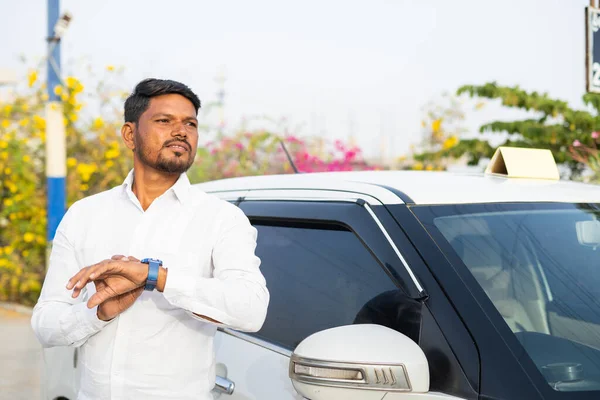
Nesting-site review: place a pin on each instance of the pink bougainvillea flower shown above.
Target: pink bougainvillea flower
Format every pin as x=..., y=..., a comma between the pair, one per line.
x=576, y=143
x=595, y=135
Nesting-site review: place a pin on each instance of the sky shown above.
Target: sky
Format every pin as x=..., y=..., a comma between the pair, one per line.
x=333, y=68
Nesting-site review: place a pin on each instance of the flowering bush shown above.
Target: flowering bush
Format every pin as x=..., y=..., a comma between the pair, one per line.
x=441, y=144
x=95, y=162
x=588, y=154
x=261, y=153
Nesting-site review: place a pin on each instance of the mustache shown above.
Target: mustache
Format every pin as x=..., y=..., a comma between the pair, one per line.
x=179, y=142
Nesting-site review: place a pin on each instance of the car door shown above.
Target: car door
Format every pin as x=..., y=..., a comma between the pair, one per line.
x=324, y=261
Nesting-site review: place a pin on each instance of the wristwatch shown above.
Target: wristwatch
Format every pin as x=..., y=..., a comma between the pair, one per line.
x=153, y=267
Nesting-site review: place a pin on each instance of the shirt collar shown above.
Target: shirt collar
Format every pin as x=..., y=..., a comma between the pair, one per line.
x=181, y=188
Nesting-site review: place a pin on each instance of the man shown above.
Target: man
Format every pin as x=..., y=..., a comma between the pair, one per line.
x=146, y=330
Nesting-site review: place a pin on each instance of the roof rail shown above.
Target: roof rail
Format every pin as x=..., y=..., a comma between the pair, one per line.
x=518, y=162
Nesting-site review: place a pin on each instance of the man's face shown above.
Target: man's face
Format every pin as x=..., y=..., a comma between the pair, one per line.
x=166, y=136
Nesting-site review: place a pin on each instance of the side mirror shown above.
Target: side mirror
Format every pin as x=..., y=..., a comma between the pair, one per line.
x=358, y=362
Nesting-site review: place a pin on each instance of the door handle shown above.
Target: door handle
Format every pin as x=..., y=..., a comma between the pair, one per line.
x=224, y=385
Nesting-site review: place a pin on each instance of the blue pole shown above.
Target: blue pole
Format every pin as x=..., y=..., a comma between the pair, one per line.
x=56, y=168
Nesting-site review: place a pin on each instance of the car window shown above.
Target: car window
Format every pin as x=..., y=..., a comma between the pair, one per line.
x=538, y=264
x=318, y=277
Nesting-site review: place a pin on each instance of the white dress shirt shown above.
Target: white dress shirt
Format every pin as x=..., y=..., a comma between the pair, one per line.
x=158, y=348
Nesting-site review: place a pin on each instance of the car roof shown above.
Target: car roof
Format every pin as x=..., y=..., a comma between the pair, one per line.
x=418, y=187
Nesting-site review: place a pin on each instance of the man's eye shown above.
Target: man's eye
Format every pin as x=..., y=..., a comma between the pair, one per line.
x=192, y=124
x=162, y=120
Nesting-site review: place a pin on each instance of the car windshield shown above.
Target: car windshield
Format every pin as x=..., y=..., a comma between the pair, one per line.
x=539, y=264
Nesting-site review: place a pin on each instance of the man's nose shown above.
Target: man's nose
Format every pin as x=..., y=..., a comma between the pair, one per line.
x=179, y=129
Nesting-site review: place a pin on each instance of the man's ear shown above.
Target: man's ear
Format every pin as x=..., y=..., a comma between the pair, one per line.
x=127, y=133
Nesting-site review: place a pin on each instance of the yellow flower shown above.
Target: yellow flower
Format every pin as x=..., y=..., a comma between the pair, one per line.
x=24, y=122
x=86, y=171
x=45, y=97
x=5, y=123
x=7, y=109
x=26, y=158
x=7, y=171
x=450, y=142
x=32, y=78
x=429, y=167
x=71, y=82
x=65, y=121
x=8, y=250
x=4, y=155
x=71, y=162
x=3, y=144
x=25, y=253
x=25, y=107
x=83, y=187
x=110, y=68
x=58, y=90
x=73, y=117
x=98, y=123
x=436, y=125
x=40, y=239
x=109, y=164
x=8, y=202
x=39, y=122
x=29, y=237
x=64, y=97
x=112, y=153
x=418, y=166
x=1, y=250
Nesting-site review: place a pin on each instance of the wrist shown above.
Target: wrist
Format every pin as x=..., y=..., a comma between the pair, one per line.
x=152, y=273
x=162, y=279
x=102, y=317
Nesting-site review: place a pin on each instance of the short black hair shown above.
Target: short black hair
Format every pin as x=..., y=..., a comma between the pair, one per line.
x=139, y=101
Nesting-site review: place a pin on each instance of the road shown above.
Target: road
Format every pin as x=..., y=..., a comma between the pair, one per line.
x=20, y=358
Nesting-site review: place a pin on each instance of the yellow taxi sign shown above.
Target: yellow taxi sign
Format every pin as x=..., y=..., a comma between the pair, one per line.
x=517, y=162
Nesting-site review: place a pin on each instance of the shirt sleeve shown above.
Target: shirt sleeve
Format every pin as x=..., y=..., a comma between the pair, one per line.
x=236, y=295
x=58, y=319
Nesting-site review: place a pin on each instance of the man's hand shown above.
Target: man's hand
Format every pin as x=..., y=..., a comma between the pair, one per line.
x=114, y=306
x=119, y=277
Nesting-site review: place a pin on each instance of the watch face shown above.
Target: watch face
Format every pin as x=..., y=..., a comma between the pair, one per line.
x=149, y=260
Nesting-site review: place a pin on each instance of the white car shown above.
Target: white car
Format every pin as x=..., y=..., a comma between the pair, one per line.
x=413, y=285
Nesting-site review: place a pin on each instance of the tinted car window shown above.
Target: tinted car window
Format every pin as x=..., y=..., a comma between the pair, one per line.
x=318, y=278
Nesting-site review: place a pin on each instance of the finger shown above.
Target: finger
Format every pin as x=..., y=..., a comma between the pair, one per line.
x=101, y=296
x=86, y=275
x=82, y=272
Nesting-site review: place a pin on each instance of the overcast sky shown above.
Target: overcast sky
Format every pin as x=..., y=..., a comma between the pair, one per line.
x=329, y=66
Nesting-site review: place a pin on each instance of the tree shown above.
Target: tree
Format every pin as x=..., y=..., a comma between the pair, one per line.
x=554, y=126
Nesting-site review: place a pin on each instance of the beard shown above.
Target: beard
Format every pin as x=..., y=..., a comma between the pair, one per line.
x=176, y=164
